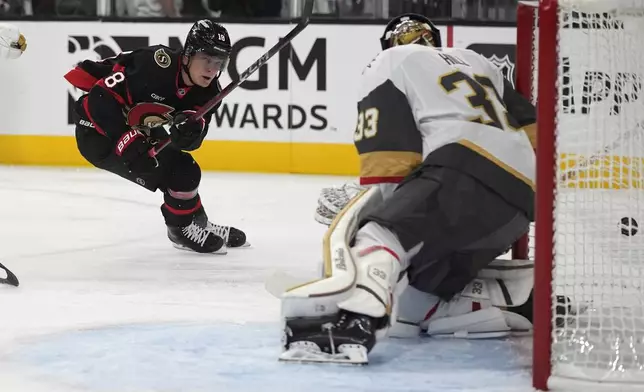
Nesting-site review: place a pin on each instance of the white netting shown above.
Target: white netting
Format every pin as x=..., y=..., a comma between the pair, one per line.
x=599, y=197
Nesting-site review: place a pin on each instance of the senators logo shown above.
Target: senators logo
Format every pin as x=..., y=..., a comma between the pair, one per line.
x=162, y=59
x=149, y=115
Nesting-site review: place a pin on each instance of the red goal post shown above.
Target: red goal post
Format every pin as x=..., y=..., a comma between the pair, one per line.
x=582, y=63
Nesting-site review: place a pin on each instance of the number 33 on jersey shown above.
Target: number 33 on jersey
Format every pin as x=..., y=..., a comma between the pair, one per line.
x=464, y=100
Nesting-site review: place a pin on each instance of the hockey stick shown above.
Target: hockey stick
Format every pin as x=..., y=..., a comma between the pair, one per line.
x=306, y=14
x=600, y=154
x=10, y=279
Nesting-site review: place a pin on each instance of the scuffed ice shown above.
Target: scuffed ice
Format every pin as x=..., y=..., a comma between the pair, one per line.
x=107, y=305
x=243, y=357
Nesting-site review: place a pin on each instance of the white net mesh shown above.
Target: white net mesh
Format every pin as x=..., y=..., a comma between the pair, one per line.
x=599, y=197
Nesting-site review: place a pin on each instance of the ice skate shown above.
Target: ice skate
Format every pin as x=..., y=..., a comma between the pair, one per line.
x=233, y=237
x=196, y=237
x=343, y=338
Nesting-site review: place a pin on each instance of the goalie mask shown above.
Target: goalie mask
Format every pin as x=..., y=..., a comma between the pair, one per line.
x=410, y=29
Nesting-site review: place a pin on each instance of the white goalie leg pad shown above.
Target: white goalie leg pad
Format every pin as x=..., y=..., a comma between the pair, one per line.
x=377, y=255
x=359, y=279
x=509, y=283
x=413, y=308
x=466, y=319
x=479, y=311
x=321, y=297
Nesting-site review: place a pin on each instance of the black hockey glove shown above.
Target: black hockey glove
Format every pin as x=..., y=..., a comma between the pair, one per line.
x=133, y=149
x=185, y=134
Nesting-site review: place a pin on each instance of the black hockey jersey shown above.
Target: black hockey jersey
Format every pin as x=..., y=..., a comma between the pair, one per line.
x=142, y=89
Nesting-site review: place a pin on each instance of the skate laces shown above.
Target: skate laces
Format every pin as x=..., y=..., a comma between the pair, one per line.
x=196, y=233
x=218, y=230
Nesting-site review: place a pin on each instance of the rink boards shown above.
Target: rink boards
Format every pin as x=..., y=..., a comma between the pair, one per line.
x=296, y=115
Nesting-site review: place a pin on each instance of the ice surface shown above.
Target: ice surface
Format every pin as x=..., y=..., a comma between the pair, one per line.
x=106, y=303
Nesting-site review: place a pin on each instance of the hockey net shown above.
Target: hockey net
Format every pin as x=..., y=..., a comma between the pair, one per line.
x=582, y=62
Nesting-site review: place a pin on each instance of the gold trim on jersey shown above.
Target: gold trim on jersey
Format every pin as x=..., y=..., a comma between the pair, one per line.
x=490, y=157
x=389, y=163
x=531, y=131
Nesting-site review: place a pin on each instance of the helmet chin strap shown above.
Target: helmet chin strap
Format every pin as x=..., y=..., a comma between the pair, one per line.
x=187, y=71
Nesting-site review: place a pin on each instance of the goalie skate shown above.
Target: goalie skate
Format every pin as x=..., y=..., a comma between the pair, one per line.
x=304, y=352
x=342, y=338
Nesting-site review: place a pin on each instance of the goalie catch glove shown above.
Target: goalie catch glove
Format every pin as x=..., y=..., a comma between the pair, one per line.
x=12, y=43
x=333, y=199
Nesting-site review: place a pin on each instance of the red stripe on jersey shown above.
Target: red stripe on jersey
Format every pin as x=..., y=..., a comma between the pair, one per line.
x=380, y=180
x=129, y=96
x=80, y=78
x=114, y=93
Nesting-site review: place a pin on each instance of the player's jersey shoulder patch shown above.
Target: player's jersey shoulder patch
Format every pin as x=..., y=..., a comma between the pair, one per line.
x=162, y=58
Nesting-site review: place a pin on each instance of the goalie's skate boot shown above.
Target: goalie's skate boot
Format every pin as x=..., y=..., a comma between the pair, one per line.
x=342, y=338
x=196, y=237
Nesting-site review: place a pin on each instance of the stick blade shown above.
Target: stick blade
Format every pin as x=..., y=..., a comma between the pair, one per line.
x=11, y=279
x=279, y=282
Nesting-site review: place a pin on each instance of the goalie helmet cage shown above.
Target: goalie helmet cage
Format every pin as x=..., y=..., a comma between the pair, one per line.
x=582, y=63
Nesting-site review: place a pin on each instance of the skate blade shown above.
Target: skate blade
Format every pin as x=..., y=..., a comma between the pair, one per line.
x=246, y=245
x=352, y=355
x=221, y=251
x=472, y=335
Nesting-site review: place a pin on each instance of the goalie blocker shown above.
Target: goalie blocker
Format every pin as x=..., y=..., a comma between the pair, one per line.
x=438, y=231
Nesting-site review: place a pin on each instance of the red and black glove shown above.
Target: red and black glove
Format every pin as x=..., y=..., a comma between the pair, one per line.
x=134, y=148
x=186, y=134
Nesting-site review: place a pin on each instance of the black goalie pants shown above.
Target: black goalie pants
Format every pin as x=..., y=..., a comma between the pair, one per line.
x=462, y=226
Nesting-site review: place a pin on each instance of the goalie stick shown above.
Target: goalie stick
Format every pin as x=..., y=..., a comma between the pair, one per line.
x=304, y=21
x=11, y=279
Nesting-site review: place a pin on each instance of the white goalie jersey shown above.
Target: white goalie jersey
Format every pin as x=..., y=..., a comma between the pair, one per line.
x=464, y=103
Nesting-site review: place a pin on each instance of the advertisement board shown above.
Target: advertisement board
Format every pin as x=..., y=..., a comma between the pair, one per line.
x=296, y=114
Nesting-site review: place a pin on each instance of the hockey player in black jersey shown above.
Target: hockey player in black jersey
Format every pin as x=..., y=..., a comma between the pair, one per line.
x=129, y=98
